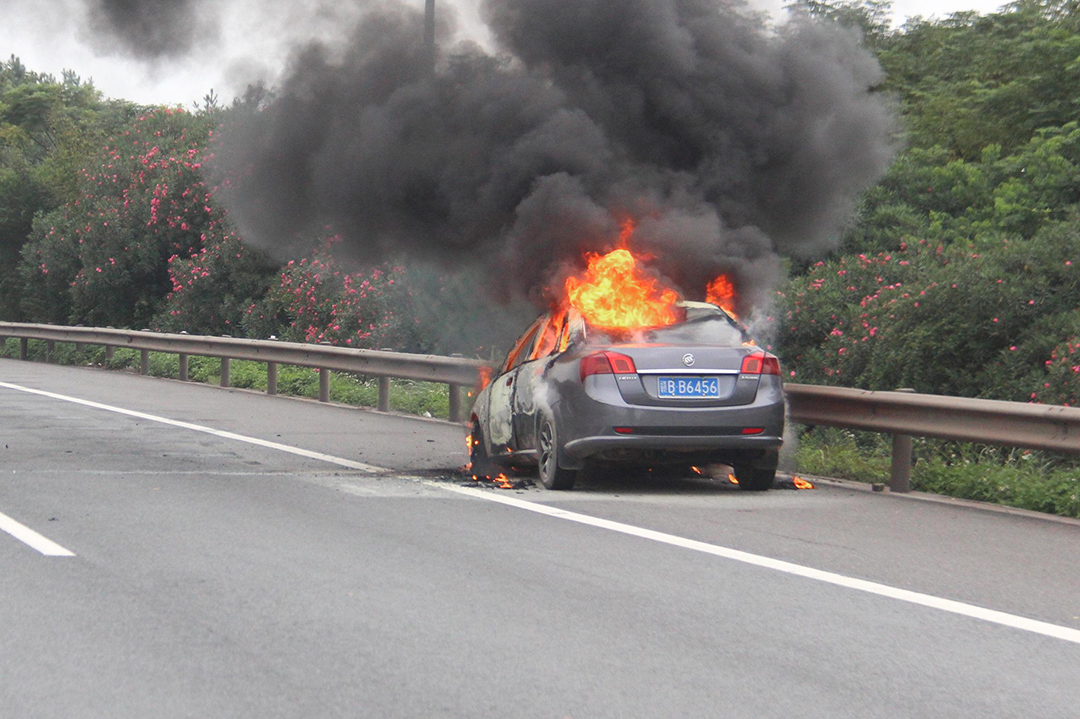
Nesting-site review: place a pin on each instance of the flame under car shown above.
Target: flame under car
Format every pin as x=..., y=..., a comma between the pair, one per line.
x=570, y=396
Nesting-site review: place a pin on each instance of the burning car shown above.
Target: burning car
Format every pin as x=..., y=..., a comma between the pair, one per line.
x=627, y=373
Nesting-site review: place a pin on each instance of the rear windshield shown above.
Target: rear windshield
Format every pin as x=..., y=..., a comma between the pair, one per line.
x=709, y=326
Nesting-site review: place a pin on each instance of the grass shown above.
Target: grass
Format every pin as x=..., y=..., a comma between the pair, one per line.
x=1012, y=477
x=420, y=398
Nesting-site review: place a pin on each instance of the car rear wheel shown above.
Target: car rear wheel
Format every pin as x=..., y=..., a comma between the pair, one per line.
x=551, y=474
x=757, y=475
x=478, y=456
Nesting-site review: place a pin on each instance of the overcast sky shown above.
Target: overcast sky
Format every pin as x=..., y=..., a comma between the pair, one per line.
x=52, y=35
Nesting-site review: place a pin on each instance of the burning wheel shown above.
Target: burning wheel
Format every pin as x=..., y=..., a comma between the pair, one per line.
x=551, y=474
x=757, y=475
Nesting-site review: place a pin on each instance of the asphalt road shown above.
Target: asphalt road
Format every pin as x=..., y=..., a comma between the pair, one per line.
x=216, y=577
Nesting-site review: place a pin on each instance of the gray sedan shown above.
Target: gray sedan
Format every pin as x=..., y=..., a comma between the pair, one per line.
x=570, y=396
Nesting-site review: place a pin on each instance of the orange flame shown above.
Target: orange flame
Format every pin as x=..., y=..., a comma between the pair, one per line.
x=614, y=294
x=469, y=444
x=484, y=378
x=696, y=470
x=721, y=292
x=731, y=478
x=801, y=483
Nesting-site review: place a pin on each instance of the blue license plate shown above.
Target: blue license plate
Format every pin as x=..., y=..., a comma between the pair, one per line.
x=688, y=387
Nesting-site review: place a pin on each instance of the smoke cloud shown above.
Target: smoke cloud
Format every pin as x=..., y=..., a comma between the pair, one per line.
x=150, y=29
x=728, y=143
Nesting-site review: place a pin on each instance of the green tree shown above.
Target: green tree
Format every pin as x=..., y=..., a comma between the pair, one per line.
x=103, y=258
x=49, y=130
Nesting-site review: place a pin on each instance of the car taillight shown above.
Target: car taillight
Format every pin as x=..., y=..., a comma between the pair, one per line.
x=760, y=363
x=608, y=363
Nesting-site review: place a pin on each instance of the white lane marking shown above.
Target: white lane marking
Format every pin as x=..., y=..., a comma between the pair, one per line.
x=360, y=466
x=183, y=472
x=884, y=590
x=31, y=538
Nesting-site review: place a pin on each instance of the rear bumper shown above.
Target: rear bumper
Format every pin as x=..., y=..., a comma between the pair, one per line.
x=585, y=447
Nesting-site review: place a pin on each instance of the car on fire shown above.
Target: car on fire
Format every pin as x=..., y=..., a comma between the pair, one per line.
x=570, y=396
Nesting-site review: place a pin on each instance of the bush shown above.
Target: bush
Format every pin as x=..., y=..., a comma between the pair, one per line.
x=102, y=259
x=214, y=289
x=314, y=300
x=993, y=319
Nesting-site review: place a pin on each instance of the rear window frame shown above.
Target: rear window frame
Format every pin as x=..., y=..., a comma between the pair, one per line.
x=702, y=309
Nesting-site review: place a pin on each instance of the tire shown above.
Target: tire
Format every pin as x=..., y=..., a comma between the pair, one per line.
x=757, y=475
x=478, y=455
x=549, y=453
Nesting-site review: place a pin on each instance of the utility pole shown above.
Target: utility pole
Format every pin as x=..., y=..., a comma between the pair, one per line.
x=429, y=34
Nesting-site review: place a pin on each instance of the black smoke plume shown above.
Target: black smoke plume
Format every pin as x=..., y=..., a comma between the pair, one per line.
x=727, y=142
x=149, y=29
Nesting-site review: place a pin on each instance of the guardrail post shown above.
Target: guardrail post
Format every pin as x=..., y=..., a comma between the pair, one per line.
x=144, y=362
x=50, y=350
x=324, y=385
x=271, y=377
x=79, y=346
x=109, y=352
x=183, y=367
x=384, y=394
x=900, y=476
x=225, y=365
x=24, y=348
x=455, y=403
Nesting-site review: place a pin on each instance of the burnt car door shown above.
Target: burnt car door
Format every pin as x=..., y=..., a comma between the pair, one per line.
x=501, y=403
x=530, y=394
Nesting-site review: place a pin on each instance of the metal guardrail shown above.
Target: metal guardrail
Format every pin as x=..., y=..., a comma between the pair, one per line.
x=903, y=414
x=456, y=372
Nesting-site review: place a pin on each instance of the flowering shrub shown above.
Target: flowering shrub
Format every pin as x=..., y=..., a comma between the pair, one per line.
x=999, y=319
x=146, y=245
x=314, y=300
x=213, y=289
x=103, y=258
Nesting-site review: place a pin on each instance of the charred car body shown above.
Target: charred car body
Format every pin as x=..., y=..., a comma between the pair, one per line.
x=691, y=393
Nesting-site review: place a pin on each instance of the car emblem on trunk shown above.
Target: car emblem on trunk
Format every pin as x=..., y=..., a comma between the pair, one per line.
x=688, y=359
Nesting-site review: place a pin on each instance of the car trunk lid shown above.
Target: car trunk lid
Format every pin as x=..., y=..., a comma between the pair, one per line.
x=686, y=376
